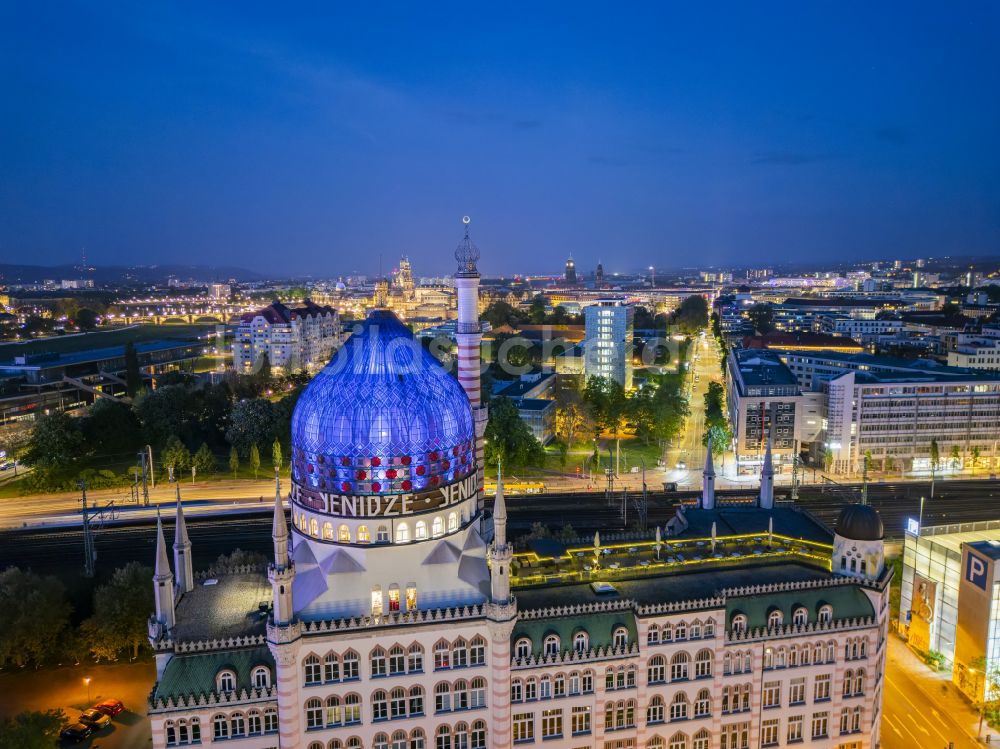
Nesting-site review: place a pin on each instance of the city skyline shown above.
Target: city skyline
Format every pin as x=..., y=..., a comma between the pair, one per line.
x=317, y=143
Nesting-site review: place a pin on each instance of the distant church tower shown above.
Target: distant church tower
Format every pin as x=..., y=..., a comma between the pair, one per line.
x=470, y=336
x=599, y=277
x=570, y=272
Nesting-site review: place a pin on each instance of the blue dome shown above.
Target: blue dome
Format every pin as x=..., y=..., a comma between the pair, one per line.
x=382, y=417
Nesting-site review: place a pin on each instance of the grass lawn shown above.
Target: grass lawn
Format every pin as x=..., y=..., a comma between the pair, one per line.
x=103, y=338
x=633, y=453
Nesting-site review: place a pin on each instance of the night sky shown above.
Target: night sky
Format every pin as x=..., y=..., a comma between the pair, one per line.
x=293, y=138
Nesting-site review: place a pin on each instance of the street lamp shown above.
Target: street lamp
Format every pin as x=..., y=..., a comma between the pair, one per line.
x=86, y=681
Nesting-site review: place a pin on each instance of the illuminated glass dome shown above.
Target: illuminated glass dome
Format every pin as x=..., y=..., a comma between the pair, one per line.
x=382, y=417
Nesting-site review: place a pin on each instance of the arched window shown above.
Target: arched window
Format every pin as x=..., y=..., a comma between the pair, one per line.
x=522, y=648
x=701, y=740
x=420, y=530
x=654, y=711
x=376, y=600
x=331, y=667
x=739, y=623
x=550, y=645
x=437, y=526
x=460, y=695
x=397, y=660
x=397, y=703
x=801, y=616
x=399, y=740
x=679, y=707
x=442, y=737
x=415, y=658
x=334, y=711
x=656, y=671
x=316, y=745
x=653, y=634
x=380, y=705
x=344, y=534
x=667, y=632
x=416, y=697
x=703, y=704
x=314, y=527
x=378, y=661
x=254, y=725
x=460, y=737
x=350, y=663
x=679, y=667
x=261, y=677
x=680, y=631
x=678, y=741
x=310, y=667
x=460, y=653
x=352, y=708
x=354, y=742
x=477, y=692
x=620, y=638
x=328, y=531
x=656, y=742
x=477, y=651
x=710, y=628
x=452, y=522
x=402, y=533
x=581, y=642
x=703, y=664
x=516, y=690
x=774, y=619
x=442, y=697
x=363, y=535
x=314, y=713
x=226, y=681
x=382, y=534
x=825, y=615
x=478, y=736
x=380, y=741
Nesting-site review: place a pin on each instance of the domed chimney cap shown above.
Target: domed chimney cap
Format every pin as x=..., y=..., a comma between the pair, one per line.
x=860, y=523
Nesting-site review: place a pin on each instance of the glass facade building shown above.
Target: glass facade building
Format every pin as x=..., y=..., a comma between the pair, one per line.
x=608, y=342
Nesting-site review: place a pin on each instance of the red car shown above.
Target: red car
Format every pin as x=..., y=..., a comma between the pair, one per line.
x=110, y=707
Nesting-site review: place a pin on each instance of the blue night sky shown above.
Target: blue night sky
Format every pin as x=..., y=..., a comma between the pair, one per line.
x=306, y=138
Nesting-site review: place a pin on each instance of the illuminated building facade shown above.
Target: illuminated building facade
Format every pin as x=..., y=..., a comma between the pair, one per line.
x=397, y=614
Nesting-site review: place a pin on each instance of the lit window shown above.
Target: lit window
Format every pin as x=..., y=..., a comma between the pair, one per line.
x=402, y=533
x=411, y=597
x=344, y=534
x=363, y=536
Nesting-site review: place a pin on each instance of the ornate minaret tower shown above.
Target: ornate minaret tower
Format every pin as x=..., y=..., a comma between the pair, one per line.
x=767, y=479
x=501, y=615
x=283, y=631
x=282, y=572
x=163, y=588
x=708, y=481
x=469, y=335
x=182, y=551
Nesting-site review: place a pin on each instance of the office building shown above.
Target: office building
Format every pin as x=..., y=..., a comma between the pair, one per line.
x=608, y=342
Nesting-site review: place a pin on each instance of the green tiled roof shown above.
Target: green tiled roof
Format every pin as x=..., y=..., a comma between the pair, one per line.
x=848, y=602
x=195, y=674
x=598, y=626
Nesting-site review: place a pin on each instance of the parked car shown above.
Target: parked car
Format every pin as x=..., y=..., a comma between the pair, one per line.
x=110, y=707
x=96, y=719
x=75, y=733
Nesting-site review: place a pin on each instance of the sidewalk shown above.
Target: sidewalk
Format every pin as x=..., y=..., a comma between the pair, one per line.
x=938, y=689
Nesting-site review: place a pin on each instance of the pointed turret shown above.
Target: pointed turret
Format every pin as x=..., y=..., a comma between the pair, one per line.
x=163, y=582
x=767, y=479
x=708, y=480
x=279, y=527
x=500, y=514
x=281, y=572
x=182, y=551
x=501, y=553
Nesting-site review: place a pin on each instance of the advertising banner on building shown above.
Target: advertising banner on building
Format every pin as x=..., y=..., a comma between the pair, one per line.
x=922, y=612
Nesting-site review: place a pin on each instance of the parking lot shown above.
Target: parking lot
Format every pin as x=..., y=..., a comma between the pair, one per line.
x=64, y=688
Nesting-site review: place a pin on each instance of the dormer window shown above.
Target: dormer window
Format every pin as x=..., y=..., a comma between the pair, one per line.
x=800, y=617
x=522, y=648
x=739, y=623
x=226, y=681
x=620, y=638
x=774, y=619
x=261, y=677
x=581, y=642
x=551, y=645
x=825, y=614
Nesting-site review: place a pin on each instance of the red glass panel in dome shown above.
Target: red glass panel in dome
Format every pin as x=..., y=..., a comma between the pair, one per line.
x=361, y=475
x=376, y=461
x=421, y=470
x=406, y=460
x=407, y=485
x=376, y=486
